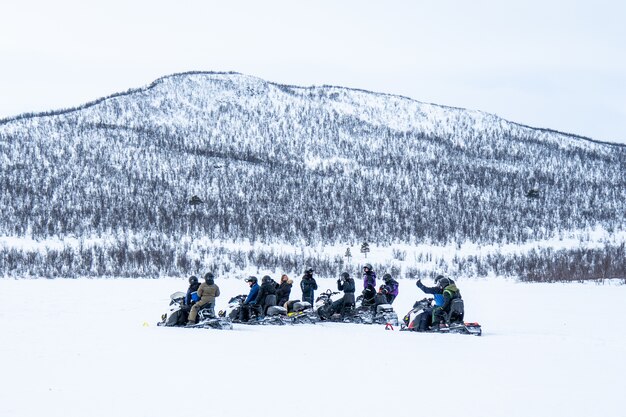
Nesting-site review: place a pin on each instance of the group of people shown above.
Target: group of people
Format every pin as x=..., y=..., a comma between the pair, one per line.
x=270, y=293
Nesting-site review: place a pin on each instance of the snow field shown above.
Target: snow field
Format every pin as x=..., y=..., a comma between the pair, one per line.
x=92, y=348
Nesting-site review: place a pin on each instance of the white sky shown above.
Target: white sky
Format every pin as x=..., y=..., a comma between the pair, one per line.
x=556, y=64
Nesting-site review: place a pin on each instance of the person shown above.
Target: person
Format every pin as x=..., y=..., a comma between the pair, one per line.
x=308, y=286
x=369, y=277
x=347, y=285
x=450, y=292
x=266, y=296
x=391, y=290
x=250, y=302
x=283, y=291
x=190, y=297
x=207, y=292
x=369, y=296
x=437, y=293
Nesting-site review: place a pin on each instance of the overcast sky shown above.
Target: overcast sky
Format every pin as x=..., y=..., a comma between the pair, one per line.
x=555, y=64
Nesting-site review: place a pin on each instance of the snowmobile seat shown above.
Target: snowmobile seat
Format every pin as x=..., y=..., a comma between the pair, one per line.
x=301, y=305
x=276, y=311
x=457, y=311
x=384, y=308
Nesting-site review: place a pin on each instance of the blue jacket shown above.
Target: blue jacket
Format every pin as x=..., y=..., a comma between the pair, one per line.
x=435, y=291
x=254, y=291
x=191, y=292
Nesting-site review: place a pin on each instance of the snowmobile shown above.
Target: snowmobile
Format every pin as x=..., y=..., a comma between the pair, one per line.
x=297, y=312
x=177, y=315
x=360, y=312
x=276, y=315
x=419, y=319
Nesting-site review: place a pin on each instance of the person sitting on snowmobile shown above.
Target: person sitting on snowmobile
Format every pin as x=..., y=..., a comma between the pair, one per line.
x=450, y=292
x=267, y=295
x=391, y=291
x=347, y=285
x=436, y=291
x=369, y=276
x=250, y=302
x=207, y=292
x=193, y=288
x=437, y=294
x=373, y=299
x=283, y=291
x=308, y=286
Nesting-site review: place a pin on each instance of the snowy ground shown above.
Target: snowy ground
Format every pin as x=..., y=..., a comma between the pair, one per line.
x=91, y=348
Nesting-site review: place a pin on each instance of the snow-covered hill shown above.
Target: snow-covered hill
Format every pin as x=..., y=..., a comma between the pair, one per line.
x=288, y=165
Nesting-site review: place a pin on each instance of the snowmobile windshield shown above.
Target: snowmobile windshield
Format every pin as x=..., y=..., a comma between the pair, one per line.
x=177, y=295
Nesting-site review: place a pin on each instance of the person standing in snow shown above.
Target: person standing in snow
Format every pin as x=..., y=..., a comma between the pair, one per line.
x=207, y=292
x=369, y=277
x=308, y=286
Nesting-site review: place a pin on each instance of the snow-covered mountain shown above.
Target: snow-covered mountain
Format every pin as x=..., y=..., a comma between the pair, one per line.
x=301, y=166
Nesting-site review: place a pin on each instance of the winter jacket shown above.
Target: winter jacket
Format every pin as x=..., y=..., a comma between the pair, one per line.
x=392, y=287
x=347, y=286
x=208, y=293
x=450, y=293
x=308, y=285
x=267, y=288
x=369, y=278
x=192, y=288
x=435, y=291
x=252, y=295
x=283, y=292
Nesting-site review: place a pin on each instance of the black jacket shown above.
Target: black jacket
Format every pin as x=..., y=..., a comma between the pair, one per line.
x=267, y=288
x=283, y=292
x=347, y=286
x=308, y=284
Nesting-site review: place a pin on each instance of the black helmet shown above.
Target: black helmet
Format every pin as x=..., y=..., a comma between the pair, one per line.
x=193, y=279
x=438, y=278
x=209, y=275
x=266, y=278
x=309, y=270
x=345, y=276
x=387, y=277
x=368, y=266
x=251, y=278
x=444, y=282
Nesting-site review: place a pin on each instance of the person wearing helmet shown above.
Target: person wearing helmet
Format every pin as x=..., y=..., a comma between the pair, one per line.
x=308, y=286
x=207, y=292
x=266, y=296
x=391, y=288
x=450, y=292
x=369, y=277
x=284, y=290
x=346, y=284
x=435, y=291
x=192, y=295
x=250, y=302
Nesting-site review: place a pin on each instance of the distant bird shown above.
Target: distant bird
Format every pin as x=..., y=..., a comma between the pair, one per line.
x=195, y=200
x=532, y=193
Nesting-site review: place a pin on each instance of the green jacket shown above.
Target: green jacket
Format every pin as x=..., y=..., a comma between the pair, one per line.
x=450, y=293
